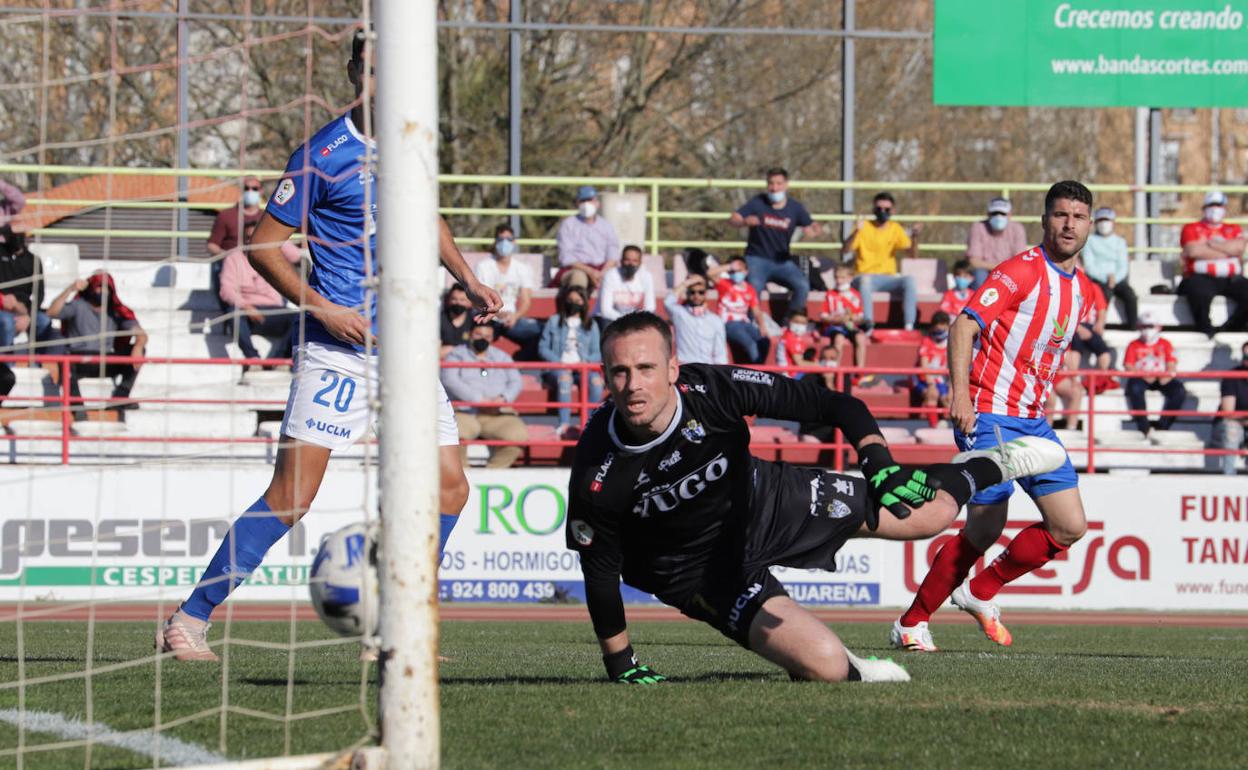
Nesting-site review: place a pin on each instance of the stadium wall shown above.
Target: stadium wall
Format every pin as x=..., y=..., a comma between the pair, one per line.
x=142, y=534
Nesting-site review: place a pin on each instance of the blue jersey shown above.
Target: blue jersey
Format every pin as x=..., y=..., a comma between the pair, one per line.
x=329, y=193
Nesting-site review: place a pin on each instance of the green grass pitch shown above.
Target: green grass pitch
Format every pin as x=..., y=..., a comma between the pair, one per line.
x=531, y=695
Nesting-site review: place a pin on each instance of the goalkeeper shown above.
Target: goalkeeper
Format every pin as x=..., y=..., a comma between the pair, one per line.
x=665, y=494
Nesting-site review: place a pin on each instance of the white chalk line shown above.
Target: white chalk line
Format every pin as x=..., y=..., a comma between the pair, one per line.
x=170, y=750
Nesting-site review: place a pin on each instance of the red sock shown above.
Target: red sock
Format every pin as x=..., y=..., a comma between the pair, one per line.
x=952, y=565
x=1030, y=549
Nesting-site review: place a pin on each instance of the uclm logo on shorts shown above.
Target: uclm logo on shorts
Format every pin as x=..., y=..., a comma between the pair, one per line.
x=1127, y=557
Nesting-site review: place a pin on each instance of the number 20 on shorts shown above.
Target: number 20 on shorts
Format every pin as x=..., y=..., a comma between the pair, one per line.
x=342, y=399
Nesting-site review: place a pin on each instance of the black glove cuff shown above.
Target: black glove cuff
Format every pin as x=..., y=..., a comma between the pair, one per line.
x=619, y=662
x=872, y=457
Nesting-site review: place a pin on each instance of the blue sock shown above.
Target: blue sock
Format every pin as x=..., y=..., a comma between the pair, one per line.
x=247, y=541
x=448, y=525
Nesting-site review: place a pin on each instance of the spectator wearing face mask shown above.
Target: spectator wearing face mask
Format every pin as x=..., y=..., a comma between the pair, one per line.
x=1106, y=262
x=456, y=325
x=827, y=362
x=571, y=337
x=97, y=323
x=932, y=390
x=1151, y=363
x=12, y=201
x=486, y=383
x=843, y=321
x=994, y=239
x=227, y=228
x=700, y=335
x=1228, y=429
x=258, y=307
x=626, y=288
x=742, y=314
x=773, y=218
x=514, y=282
x=955, y=299
x=1213, y=252
x=798, y=342
x=875, y=244
x=588, y=245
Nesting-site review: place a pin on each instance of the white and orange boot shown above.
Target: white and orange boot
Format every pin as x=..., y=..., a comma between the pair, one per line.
x=986, y=614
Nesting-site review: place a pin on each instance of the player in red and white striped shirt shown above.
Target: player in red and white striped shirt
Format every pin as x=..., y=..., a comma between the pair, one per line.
x=1004, y=350
x=1213, y=253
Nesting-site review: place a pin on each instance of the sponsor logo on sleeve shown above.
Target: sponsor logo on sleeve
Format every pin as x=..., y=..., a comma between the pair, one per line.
x=327, y=149
x=989, y=298
x=754, y=376
x=582, y=532
x=284, y=192
x=1004, y=279
x=601, y=475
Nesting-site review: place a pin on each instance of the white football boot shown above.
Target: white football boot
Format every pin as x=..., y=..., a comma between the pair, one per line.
x=916, y=638
x=875, y=670
x=1019, y=457
x=185, y=637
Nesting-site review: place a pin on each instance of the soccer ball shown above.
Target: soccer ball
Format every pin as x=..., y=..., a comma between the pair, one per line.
x=343, y=582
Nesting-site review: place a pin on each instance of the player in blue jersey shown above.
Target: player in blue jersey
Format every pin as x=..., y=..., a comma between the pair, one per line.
x=329, y=192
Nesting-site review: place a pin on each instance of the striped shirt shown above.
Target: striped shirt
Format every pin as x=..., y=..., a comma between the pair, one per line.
x=1027, y=313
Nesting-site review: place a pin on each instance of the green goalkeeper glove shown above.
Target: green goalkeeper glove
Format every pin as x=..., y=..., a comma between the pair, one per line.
x=892, y=487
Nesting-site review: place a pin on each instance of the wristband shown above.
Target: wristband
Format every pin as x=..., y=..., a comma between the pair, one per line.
x=619, y=662
x=874, y=456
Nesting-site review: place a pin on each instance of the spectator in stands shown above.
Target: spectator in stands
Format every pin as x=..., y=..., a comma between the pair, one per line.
x=700, y=335
x=823, y=377
x=1228, y=430
x=799, y=341
x=21, y=271
x=743, y=315
x=12, y=201
x=1106, y=262
x=486, y=383
x=456, y=324
x=97, y=323
x=875, y=244
x=955, y=299
x=843, y=321
x=514, y=282
x=571, y=337
x=14, y=319
x=626, y=288
x=258, y=307
x=228, y=227
x=1151, y=359
x=1089, y=348
x=588, y=245
x=773, y=218
x=932, y=390
x=1213, y=252
x=994, y=239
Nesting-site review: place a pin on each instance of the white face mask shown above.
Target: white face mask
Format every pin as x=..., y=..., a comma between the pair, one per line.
x=798, y=329
x=846, y=286
x=1215, y=214
x=251, y=198
x=588, y=209
x=1105, y=227
x=1150, y=335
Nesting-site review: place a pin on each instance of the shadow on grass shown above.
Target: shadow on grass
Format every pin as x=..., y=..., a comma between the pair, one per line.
x=715, y=676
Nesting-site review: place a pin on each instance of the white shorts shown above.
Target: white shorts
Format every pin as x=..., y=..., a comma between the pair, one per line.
x=328, y=402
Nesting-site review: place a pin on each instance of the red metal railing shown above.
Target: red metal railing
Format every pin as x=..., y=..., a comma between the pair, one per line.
x=65, y=404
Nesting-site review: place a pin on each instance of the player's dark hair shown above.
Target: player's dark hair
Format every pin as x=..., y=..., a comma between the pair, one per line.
x=453, y=288
x=777, y=171
x=487, y=325
x=962, y=266
x=357, y=45
x=503, y=228
x=884, y=196
x=794, y=313
x=940, y=317
x=561, y=303
x=631, y=247
x=642, y=320
x=1067, y=190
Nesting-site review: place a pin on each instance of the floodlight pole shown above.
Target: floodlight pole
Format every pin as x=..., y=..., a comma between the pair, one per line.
x=407, y=248
x=848, y=96
x=1141, y=178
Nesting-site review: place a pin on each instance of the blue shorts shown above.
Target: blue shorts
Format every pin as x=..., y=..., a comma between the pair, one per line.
x=1013, y=427
x=942, y=388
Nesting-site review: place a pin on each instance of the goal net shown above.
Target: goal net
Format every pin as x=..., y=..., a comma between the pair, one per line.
x=146, y=406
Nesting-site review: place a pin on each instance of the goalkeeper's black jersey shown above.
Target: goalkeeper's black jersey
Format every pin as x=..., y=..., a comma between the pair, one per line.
x=660, y=513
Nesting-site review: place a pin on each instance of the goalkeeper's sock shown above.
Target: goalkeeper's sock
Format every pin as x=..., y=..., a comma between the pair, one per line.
x=950, y=567
x=448, y=525
x=242, y=550
x=1030, y=549
x=963, y=480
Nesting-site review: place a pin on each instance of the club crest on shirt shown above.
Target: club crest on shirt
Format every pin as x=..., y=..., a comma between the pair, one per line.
x=284, y=192
x=693, y=432
x=837, y=509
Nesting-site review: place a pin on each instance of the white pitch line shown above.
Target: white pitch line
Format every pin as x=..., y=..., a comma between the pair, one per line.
x=150, y=743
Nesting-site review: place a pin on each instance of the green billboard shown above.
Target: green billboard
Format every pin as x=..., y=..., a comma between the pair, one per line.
x=1091, y=53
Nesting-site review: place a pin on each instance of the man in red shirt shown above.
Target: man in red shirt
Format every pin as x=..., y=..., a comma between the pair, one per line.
x=1152, y=360
x=843, y=320
x=1213, y=252
x=799, y=339
x=742, y=314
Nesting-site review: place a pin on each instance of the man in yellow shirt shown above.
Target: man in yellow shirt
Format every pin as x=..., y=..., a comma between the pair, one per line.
x=874, y=244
